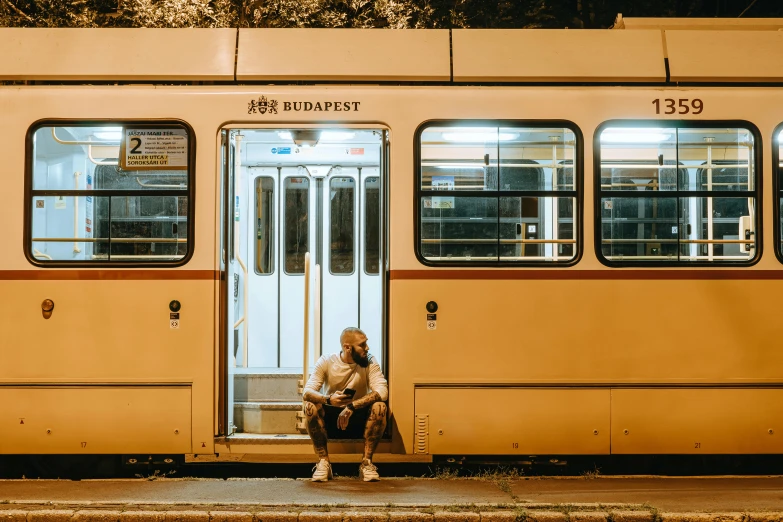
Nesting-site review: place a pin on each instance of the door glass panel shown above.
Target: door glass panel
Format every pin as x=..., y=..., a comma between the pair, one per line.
x=341, y=235
x=372, y=193
x=265, y=223
x=297, y=223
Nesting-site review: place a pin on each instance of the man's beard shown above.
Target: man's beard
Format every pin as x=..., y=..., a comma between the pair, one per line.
x=364, y=362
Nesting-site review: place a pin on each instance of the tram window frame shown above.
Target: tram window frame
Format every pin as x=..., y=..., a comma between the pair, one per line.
x=777, y=190
x=367, y=228
x=354, y=222
x=271, y=232
x=30, y=193
x=578, y=173
x=284, y=222
x=599, y=193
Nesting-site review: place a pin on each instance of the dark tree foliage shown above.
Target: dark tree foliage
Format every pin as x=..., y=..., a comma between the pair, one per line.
x=395, y=14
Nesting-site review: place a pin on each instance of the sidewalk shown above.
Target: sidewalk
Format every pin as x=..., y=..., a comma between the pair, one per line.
x=492, y=499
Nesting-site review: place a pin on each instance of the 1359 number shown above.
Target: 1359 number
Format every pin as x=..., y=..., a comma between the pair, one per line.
x=679, y=106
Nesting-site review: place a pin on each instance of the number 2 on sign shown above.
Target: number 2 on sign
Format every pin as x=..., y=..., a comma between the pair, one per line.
x=679, y=106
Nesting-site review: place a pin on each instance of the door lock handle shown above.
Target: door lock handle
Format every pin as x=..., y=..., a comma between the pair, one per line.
x=46, y=308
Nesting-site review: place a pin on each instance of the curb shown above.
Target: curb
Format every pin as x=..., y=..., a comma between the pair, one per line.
x=308, y=514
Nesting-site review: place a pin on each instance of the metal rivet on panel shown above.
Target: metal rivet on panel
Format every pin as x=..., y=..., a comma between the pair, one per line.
x=625, y=432
x=176, y=432
x=48, y=432
x=440, y=432
x=770, y=431
x=595, y=432
x=168, y=461
x=132, y=461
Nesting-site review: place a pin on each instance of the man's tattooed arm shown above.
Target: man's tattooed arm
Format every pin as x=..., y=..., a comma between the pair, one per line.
x=314, y=397
x=367, y=400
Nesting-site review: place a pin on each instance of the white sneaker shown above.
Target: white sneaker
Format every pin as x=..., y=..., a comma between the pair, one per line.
x=322, y=471
x=368, y=472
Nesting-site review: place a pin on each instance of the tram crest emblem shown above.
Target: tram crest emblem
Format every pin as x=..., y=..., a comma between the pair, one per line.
x=262, y=106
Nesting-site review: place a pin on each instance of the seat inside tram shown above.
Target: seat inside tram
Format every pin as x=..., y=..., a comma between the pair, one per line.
x=295, y=192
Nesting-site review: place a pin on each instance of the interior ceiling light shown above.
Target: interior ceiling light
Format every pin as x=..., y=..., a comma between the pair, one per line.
x=306, y=137
x=480, y=135
x=623, y=135
x=284, y=135
x=337, y=135
x=109, y=133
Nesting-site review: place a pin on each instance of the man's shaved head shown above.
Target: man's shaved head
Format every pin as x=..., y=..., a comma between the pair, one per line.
x=349, y=333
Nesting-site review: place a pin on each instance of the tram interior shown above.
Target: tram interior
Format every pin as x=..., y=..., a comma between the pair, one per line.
x=298, y=191
x=684, y=194
x=497, y=194
x=141, y=216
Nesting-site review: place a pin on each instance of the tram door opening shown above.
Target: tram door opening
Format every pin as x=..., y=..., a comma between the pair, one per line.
x=290, y=192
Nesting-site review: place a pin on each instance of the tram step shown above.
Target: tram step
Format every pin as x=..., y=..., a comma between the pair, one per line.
x=266, y=417
x=267, y=386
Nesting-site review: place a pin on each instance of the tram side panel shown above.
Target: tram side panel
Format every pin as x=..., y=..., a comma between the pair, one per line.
x=567, y=356
x=106, y=371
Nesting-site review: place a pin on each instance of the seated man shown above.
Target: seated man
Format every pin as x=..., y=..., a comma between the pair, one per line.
x=337, y=414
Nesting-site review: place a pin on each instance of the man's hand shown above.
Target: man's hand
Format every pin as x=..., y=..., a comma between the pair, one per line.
x=345, y=416
x=340, y=399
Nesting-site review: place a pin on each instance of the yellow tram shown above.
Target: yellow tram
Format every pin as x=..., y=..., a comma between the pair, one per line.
x=558, y=242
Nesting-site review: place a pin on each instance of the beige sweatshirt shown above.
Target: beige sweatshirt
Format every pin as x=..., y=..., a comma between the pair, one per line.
x=332, y=375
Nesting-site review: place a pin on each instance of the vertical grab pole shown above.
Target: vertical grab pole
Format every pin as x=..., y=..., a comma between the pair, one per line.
x=306, y=321
x=317, y=301
x=76, y=249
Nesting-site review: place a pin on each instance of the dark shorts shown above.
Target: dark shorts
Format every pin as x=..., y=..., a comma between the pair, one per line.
x=356, y=424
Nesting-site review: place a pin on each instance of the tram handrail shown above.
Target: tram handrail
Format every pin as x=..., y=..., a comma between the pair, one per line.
x=76, y=249
x=113, y=240
x=317, y=312
x=306, y=322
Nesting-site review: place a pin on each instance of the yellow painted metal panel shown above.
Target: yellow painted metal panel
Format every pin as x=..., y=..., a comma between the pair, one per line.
x=748, y=56
x=537, y=55
x=699, y=421
x=343, y=54
x=86, y=420
x=491, y=421
x=112, y=332
x=722, y=24
x=117, y=54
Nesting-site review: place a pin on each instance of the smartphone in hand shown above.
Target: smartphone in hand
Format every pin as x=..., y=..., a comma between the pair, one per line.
x=349, y=392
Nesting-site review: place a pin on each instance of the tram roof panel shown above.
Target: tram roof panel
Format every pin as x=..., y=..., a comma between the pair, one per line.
x=557, y=55
x=343, y=54
x=721, y=24
x=721, y=56
x=117, y=54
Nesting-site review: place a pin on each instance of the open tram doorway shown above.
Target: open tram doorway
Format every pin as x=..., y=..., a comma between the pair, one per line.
x=288, y=192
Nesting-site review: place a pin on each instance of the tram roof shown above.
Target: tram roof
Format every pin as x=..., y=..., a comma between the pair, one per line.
x=744, y=50
x=117, y=54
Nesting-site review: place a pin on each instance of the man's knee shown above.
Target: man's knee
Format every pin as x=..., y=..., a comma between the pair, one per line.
x=379, y=410
x=312, y=410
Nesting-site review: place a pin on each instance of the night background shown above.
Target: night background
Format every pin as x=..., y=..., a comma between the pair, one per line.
x=394, y=14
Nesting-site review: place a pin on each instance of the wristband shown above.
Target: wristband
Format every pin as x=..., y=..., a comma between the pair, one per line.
x=329, y=400
x=351, y=406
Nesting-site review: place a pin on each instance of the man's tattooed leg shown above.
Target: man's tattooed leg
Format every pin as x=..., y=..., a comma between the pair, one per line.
x=373, y=431
x=316, y=427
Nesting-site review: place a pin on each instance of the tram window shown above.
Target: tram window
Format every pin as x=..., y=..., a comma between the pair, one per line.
x=497, y=195
x=682, y=193
x=265, y=225
x=372, y=208
x=341, y=230
x=109, y=193
x=777, y=157
x=296, y=234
